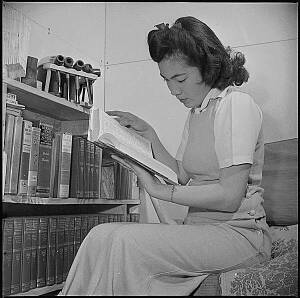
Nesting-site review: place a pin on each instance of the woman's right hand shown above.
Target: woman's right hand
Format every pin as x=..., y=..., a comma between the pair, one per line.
x=137, y=124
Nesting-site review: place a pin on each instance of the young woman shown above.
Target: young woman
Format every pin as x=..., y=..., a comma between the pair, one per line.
x=219, y=166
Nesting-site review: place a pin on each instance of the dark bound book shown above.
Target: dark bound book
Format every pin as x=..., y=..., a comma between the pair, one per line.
x=70, y=241
x=82, y=181
x=26, y=257
x=44, y=165
x=77, y=233
x=7, y=252
x=34, y=161
x=91, y=170
x=24, y=161
x=17, y=255
x=51, y=251
x=97, y=171
x=42, y=251
x=60, y=239
x=86, y=169
x=66, y=248
x=34, y=248
x=74, y=175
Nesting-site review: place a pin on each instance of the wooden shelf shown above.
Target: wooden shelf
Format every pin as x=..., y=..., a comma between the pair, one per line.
x=56, y=201
x=46, y=103
x=40, y=291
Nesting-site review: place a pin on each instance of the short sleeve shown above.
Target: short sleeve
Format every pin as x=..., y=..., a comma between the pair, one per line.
x=184, y=138
x=237, y=124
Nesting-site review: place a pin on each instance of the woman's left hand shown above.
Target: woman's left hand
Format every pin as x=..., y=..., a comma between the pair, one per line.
x=146, y=180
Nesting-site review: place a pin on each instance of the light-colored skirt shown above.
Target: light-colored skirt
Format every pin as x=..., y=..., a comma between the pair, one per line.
x=158, y=259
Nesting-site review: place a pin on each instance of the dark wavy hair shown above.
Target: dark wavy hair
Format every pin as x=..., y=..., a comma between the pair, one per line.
x=194, y=41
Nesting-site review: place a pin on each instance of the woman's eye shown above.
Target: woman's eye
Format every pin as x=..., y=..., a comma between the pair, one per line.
x=181, y=81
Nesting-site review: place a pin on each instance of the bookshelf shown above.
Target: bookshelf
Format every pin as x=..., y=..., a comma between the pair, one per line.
x=69, y=117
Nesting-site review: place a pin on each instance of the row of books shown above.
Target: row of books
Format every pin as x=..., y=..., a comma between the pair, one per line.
x=38, y=251
x=45, y=163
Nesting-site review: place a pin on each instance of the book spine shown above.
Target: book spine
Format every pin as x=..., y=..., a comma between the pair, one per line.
x=91, y=172
x=26, y=254
x=135, y=190
x=66, y=248
x=108, y=181
x=70, y=241
x=33, y=161
x=77, y=234
x=60, y=239
x=96, y=179
x=44, y=166
x=42, y=251
x=102, y=218
x=86, y=168
x=15, y=156
x=17, y=256
x=55, y=151
x=25, y=153
x=64, y=166
x=81, y=168
x=74, y=175
x=34, y=252
x=8, y=143
x=51, y=251
x=84, y=226
x=7, y=252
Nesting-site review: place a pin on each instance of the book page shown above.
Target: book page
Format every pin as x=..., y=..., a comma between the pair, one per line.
x=126, y=136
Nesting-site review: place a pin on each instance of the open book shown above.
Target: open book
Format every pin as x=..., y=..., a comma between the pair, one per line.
x=124, y=142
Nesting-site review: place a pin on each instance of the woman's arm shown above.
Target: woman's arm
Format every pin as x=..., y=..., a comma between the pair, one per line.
x=223, y=196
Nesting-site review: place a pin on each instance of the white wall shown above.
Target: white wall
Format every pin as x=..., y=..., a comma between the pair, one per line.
x=114, y=37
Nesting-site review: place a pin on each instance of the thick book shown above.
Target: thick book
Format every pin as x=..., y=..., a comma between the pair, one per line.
x=91, y=170
x=7, y=252
x=64, y=165
x=33, y=161
x=74, y=175
x=60, y=240
x=25, y=153
x=42, y=251
x=17, y=256
x=8, y=143
x=53, y=186
x=108, y=181
x=82, y=181
x=44, y=164
x=15, y=156
x=97, y=171
x=86, y=169
x=34, y=252
x=26, y=254
x=51, y=251
x=77, y=233
x=70, y=241
x=124, y=142
x=66, y=248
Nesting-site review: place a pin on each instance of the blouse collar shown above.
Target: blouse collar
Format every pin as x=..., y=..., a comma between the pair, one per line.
x=212, y=94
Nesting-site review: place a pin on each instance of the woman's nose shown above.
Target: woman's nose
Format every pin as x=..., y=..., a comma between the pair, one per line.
x=174, y=89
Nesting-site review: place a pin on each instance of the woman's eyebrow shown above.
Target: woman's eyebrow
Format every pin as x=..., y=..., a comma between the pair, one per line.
x=175, y=76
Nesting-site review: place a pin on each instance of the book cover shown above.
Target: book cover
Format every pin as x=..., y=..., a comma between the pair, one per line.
x=66, y=248
x=7, y=252
x=34, y=253
x=26, y=254
x=86, y=170
x=108, y=181
x=81, y=168
x=17, y=256
x=15, y=156
x=33, y=161
x=25, y=153
x=84, y=226
x=91, y=171
x=60, y=240
x=64, y=166
x=77, y=234
x=51, y=251
x=97, y=171
x=74, y=175
x=44, y=164
x=70, y=241
x=55, y=151
x=124, y=142
x=42, y=251
x=8, y=143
